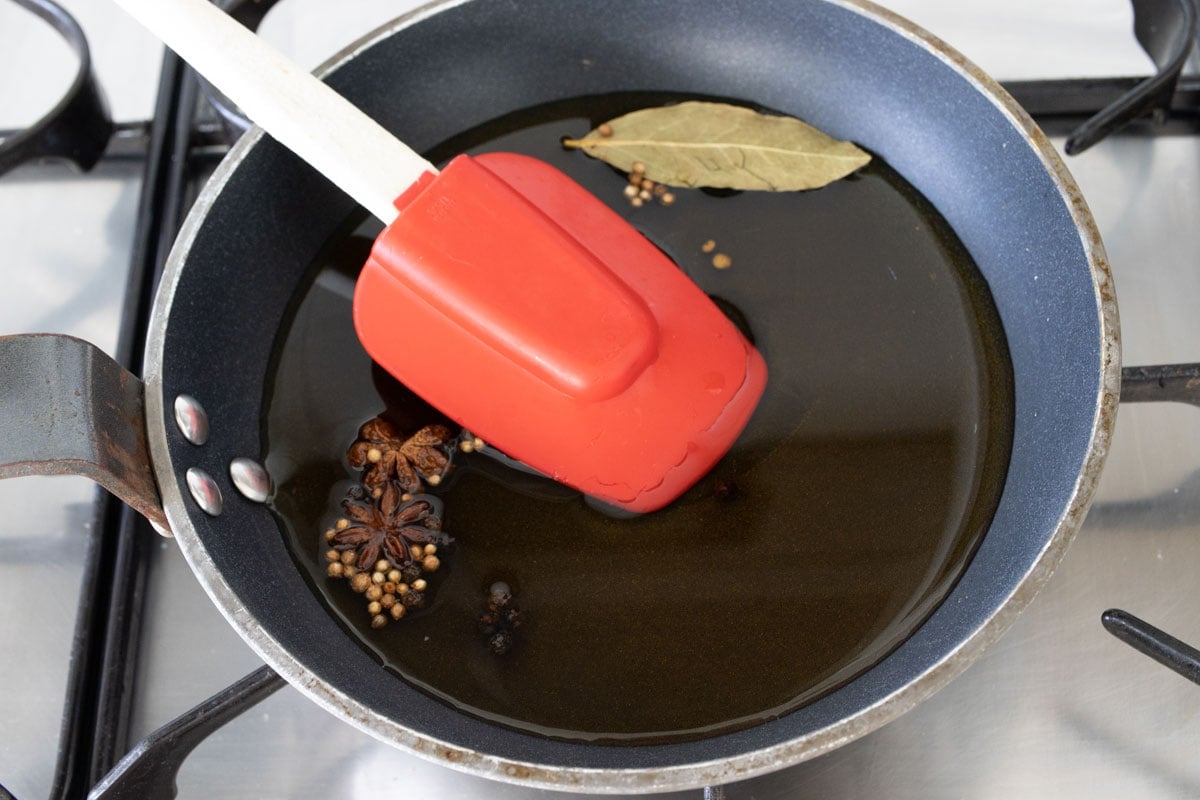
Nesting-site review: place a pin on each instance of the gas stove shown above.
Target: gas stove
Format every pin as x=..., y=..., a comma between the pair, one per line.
x=108, y=637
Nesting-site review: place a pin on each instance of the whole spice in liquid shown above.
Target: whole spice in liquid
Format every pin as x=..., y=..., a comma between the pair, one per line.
x=835, y=526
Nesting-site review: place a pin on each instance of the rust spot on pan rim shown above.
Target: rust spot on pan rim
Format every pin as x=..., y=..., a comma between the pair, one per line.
x=682, y=776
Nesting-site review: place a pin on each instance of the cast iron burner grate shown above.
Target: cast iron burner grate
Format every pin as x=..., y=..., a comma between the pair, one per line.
x=176, y=146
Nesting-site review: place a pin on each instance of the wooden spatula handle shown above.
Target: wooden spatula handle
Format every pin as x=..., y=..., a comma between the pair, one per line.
x=299, y=111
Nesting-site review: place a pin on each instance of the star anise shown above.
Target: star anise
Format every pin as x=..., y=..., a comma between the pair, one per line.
x=386, y=525
x=386, y=455
x=426, y=449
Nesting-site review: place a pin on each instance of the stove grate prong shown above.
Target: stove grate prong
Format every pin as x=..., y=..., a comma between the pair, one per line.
x=1149, y=640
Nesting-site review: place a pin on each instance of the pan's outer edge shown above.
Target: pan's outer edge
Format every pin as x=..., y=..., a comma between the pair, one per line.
x=691, y=775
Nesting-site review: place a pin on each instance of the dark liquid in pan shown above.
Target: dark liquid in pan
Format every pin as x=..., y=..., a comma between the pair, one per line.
x=863, y=483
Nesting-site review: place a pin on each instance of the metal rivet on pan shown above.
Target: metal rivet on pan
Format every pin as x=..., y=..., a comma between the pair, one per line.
x=204, y=491
x=191, y=419
x=251, y=479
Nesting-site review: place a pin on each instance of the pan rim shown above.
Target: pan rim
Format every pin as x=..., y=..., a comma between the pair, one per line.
x=682, y=776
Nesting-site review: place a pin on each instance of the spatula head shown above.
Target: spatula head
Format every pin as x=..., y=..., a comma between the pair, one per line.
x=533, y=315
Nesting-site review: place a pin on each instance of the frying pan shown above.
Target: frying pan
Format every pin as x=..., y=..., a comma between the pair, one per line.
x=850, y=68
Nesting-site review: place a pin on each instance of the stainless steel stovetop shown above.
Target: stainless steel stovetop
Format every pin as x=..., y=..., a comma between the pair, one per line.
x=1058, y=708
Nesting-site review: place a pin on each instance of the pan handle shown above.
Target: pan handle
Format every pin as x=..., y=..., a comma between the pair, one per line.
x=66, y=408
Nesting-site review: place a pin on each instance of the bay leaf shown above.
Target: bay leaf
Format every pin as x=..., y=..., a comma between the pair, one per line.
x=701, y=144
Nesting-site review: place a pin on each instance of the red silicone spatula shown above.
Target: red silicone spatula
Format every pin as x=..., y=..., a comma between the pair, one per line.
x=504, y=293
